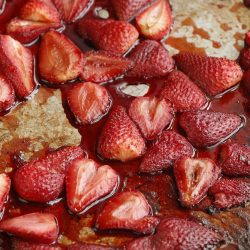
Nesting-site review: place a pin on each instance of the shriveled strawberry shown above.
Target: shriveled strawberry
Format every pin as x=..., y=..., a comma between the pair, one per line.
x=110, y=35
x=128, y=210
x=59, y=58
x=247, y=39
x=88, y=102
x=120, y=139
x=42, y=180
x=151, y=59
x=4, y=189
x=86, y=246
x=7, y=94
x=214, y=75
x=207, y=128
x=244, y=59
x=230, y=192
x=156, y=21
x=183, y=93
x=193, y=178
x=151, y=115
x=169, y=147
x=246, y=80
x=38, y=227
x=18, y=60
x=87, y=182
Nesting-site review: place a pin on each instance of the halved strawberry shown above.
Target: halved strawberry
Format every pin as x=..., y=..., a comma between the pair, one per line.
x=4, y=189
x=89, y=102
x=1, y=4
x=18, y=60
x=247, y=39
x=246, y=80
x=101, y=66
x=207, y=128
x=59, y=58
x=151, y=59
x=38, y=227
x=244, y=59
x=193, y=178
x=120, y=139
x=87, y=246
x=7, y=94
x=156, y=21
x=42, y=180
x=183, y=93
x=151, y=115
x=169, y=147
x=128, y=210
x=214, y=75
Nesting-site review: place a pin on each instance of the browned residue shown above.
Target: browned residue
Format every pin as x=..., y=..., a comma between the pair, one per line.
x=225, y=27
x=238, y=37
x=10, y=121
x=236, y=7
x=43, y=95
x=216, y=45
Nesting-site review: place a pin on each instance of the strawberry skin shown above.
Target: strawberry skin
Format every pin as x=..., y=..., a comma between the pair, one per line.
x=244, y=59
x=214, y=75
x=38, y=227
x=168, y=147
x=4, y=189
x=207, y=128
x=86, y=246
x=246, y=80
x=247, y=39
x=7, y=95
x=183, y=93
x=120, y=139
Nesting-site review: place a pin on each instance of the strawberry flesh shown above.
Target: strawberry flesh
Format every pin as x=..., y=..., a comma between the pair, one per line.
x=244, y=59
x=86, y=246
x=7, y=95
x=4, y=189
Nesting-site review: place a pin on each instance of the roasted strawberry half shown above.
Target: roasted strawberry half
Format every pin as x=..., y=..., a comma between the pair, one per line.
x=120, y=139
x=207, y=128
x=244, y=59
x=151, y=115
x=247, y=39
x=1, y=4
x=214, y=75
x=193, y=178
x=38, y=227
x=183, y=93
x=150, y=59
x=89, y=102
x=128, y=210
x=4, y=190
x=7, y=94
x=246, y=80
x=168, y=147
x=86, y=246
x=247, y=3
x=42, y=180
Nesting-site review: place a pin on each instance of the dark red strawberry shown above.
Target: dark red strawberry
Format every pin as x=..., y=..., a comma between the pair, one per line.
x=120, y=139
x=128, y=210
x=244, y=59
x=156, y=21
x=7, y=94
x=167, y=149
x=246, y=80
x=207, y=128
x=18, y=60
x=42, y=180
x=151, y=59
x=101, y=66
x=247, y=39
x=88, y=102
x=247, y=3
x=183, y=93
x=4, y=189
x=151, y=115
x=38, y=227
x=193, y=178
x=214, y=75
x=86, y=246
x=59, y=58
x=87, y=182
x=230, y=192
x=1, y=4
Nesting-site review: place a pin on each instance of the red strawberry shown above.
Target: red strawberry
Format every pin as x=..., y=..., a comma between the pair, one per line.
x=207, y=128
x=89, y=102
x=86, y=246
x=183, y=93
x=230, y=192
x=42, y=180
x=38, y=227
x=4, y=189
x=151, y=60
x=246, y=79
x=7, y=94
x=1, y=4
x=167, y=149
x=128, y=210
x=59, y=58
x=86, y=183
x=156, y=21
x=193, y=178
x=247, y=39
x=247, y=3
x=110, y=35
x=18, y=60
x=120, y=139
x=214, y=75
x=244, y=59
x=151, y=115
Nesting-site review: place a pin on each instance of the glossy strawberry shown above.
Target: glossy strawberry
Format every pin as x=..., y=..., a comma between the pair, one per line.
x=128, y=210
x=247, y=39
x=7, y=94
x=151, y=60
x=244, y=59
x=207, y=128
x=151, y=115
x=42, y=180
x=214, y=75
x=87, y=182
x=183, y=93
x=38, y=227
x=18, y=244
x=4, y=189
x=1, y=4
x=246, y=80
x=89, y=102
x=120, y=139
x=86, y=246
x=166, y=150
